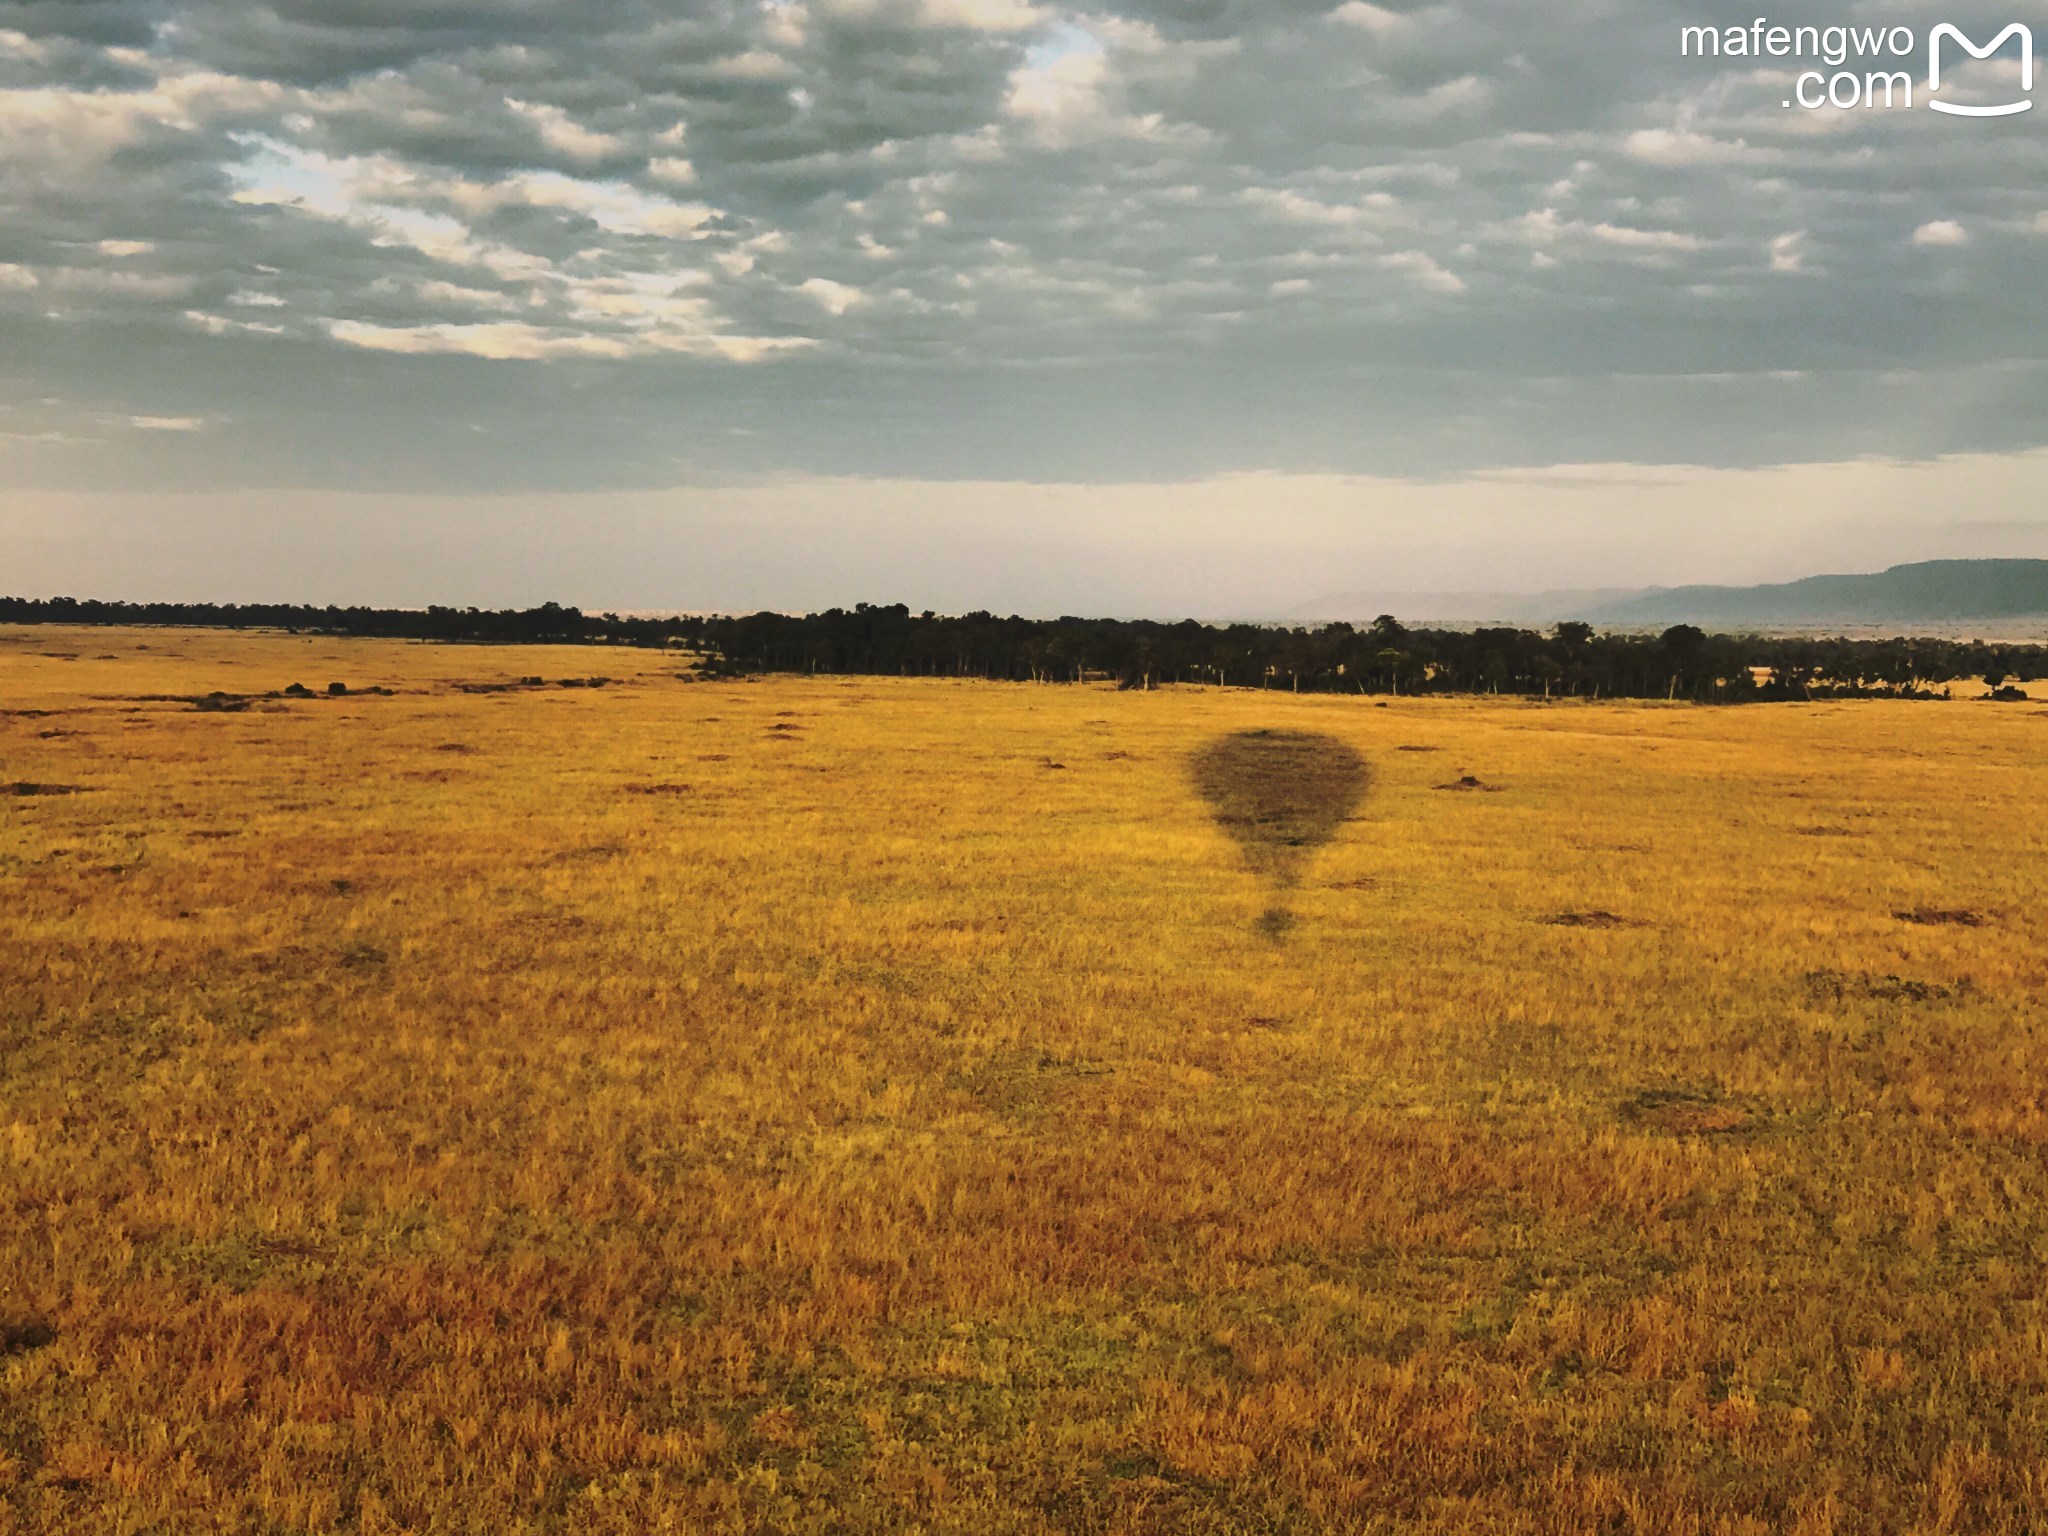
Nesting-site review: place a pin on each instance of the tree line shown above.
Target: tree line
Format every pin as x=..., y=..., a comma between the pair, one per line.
x=549, y=624
x=1385, y=657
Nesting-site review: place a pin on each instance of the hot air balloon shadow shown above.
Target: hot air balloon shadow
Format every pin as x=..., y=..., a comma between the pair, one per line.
x=1279, y=795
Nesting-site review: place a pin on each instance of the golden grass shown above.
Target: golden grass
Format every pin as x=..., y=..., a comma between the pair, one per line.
x=866, y=1106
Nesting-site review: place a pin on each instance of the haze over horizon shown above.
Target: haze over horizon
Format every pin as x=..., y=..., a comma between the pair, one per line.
x=1140, y=307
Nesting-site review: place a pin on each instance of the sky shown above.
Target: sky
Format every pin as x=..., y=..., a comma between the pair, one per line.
x=1175, y=307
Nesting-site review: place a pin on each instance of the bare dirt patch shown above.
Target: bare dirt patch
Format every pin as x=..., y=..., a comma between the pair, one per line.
x=589, y=853
x=1593, y=919
x=1686, y=1112
x=18, y=1338
x=1943, y=917
x=1830, y=986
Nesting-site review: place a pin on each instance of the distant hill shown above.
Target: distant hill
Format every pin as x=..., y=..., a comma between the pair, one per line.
x=1460, y=607
x=1930, y=592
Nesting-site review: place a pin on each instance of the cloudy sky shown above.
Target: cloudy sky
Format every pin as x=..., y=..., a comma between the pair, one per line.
x=1178, y=306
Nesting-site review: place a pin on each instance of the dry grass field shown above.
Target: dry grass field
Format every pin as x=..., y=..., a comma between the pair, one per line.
x=862, y=1106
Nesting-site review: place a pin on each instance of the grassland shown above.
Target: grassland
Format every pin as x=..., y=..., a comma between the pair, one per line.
x=860, y=1106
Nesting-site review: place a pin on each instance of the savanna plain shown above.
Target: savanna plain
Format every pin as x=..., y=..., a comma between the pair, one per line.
x=879, y=1105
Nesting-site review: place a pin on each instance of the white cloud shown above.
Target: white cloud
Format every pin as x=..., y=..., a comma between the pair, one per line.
x=1466, y=94
x=1788, y=252
x=833, y=298
x=562, y=133
x=612, y=205
x=616, y=313
x=515, y=341
x=1941, y=232
x=223, y=325
x=435, y=291
x=1062, y=94
x=168, y=423
x=73, y=134
x=1375, y=19
x=754, y=64
x=984, y=15
x=1286, y=204
x=1548, y=230
x=1071, y=88
x=1424, y=270
x=508, y=341
x=998, y=16
x=1632, y=239
x=650, y=302
x=1665, y=146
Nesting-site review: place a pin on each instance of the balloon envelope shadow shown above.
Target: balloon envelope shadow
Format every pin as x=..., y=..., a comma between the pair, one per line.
x=1279, y=795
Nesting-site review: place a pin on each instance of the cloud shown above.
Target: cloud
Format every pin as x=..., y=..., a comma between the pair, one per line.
x=1368, y=17
x=984, y=15
x=942, y=237
x=1292, y=206
x=1667, y=146
x=1788, y=252
x=1549, y=230
x=499, y=342
x=1424, y=270
x=833, y=298
x=1060, y=88
x=562, y=133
